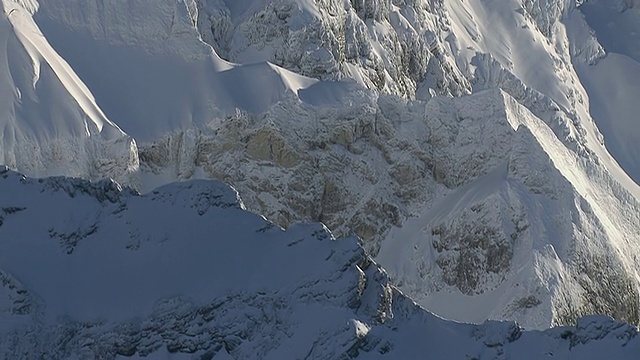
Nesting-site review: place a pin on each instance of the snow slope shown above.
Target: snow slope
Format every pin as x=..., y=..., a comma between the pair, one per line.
x=398, y=157
x=612, y=82
x=91, y=270
x=49, y=119
x=156, y=75
x=528, y=235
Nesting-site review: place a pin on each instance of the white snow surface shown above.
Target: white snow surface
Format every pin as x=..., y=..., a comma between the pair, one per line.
x=530, y=202
x=91, y=270
x=50, y=123
x=612, y=82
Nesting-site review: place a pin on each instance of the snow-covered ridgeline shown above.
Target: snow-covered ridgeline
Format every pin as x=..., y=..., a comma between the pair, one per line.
x=530, y=53
x=392, y=47
x=421, y=48
x=529, y=234
x=49, y=120
x=90, y=270
x=538, y=216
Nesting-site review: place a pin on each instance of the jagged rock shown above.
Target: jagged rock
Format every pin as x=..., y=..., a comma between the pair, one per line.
x=267, y=144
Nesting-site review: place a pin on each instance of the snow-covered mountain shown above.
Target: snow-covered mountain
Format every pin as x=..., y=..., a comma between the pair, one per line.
x=94, y=271
x=459, y=139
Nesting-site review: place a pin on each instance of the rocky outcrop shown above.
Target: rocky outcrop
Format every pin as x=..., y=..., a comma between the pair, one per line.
x=401, y=54
x=306, y=166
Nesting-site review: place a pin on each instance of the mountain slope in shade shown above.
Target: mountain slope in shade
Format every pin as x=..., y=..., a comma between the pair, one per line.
x=90, y=270
x=49, y=121
x=156, y=75
x=612, y=82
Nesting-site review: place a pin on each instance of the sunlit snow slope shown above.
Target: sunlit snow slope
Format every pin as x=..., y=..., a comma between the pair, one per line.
x=612, y=82
x=156, y=75
x=49, y=121
x=530, y=234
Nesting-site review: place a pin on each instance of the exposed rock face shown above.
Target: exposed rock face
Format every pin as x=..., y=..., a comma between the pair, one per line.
x=474, y=239
x=304, y=162
x=483, y=142
x=470, y=252
x=267, y=144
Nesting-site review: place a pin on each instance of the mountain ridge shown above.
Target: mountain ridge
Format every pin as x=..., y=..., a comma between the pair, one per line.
x=50, y=122
x=340, y=304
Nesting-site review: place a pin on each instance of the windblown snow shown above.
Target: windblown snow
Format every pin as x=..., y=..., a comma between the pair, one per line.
x=50, y=122
x=483, y=150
